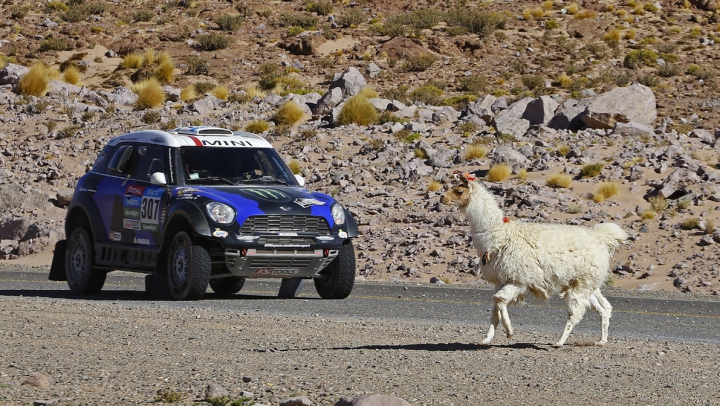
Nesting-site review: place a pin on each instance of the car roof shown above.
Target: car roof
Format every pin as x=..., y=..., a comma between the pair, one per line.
x=199, y=136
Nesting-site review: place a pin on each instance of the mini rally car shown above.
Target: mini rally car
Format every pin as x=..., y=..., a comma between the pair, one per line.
x=202, y=205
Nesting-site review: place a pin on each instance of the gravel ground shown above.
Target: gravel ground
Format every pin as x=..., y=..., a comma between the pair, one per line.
x=123, y=353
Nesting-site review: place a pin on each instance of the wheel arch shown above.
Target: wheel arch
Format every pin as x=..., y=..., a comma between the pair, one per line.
x=84, y=213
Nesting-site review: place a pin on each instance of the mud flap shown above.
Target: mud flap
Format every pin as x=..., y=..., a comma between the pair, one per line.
x=57, y=268
x=289, y=288
x=156, y=286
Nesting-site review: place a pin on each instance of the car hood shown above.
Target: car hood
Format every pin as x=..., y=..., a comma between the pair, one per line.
x=264, y=200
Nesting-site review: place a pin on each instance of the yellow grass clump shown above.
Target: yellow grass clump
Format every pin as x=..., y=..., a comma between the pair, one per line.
x=648, y=214
x=257, y=126
x=434, y=186
x=612, y=36
x=368, y=92
x=165, y=72
x=254, y=91
x=132, y=61
x=35, y=82
x=475, y=151
x=72, y=75
x=357, y=110
x=547, y=5
x=221, y=92
x=559, y=180
x=288, y=114
x=499, y=172
x=294, y=166
x=150, y=94
x=522, y=174
x=164, y=57
x=607, y=190
x=188, y=93
x=572, y=8
x=148, y=57
x=564, y=80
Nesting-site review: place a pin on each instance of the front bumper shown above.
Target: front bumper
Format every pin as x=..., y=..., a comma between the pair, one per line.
x=276, y=263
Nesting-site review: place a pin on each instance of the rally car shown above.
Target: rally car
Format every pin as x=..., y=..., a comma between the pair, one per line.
x=202, y=205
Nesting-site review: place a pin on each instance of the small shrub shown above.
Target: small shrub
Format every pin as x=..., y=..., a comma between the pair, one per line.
x=648, y=214
x=591, y=170
x=574, y=208
x=352, y=18
x=499, y=172
x=658, y=203
x=476, y=21
x=308, y=133
x=584, y=14
x=132, y=61
x=53, y=44
x=475, y=151
x=683, y=204
x=532, y=81
x=459, y=102
x=229, y=22
x=649, y=80
x=412, y=137
x=709, y=227
x=151, y=117
x=399, y=93
x=475, y=84
x=168, y=396
x=150, y=94
x=322, y=8
x=690, y=224
x=434, y=186
x=35, y=82
x=213, y=41
x=419, y=63
x=196, y=65
x=669, y=70
x=612, y=37
x=551, y=24
x=572, y=8
x=368, y=92
x=559, y=180
x=429, y=95
x=298, y=20
x=699, y=72
x=257, y=126
x=288, y=114
x=563, y=150
x=468, y=128
x=638, y=58
x=165, y=72
x=19, y=12
x=142, y=16
x=294, y=166
x=204, y=87
x=357, y=110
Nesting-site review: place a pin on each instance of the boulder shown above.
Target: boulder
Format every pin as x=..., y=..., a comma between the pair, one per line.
x=510, y=121
x=11, y=73
x=328, y=101
x=633, y=129
x=481, y=108
x=540, y=110
x=622, y=104
x=372, y=400
x=568, y=115
x=304, y=46
x=677, y=181
x=350, y=82
x=508, y=155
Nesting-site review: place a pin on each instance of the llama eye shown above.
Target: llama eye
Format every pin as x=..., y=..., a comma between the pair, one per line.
x=458, y=192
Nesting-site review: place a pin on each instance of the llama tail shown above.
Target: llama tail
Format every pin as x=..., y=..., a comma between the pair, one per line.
x=612, y=234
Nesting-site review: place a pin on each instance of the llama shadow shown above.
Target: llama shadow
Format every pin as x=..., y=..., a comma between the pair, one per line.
x=446, y=347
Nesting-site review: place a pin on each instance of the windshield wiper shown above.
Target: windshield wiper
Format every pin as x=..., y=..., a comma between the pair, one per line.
x=264, y=179
x=218, y=178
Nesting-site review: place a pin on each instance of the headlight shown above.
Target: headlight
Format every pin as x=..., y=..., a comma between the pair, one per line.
x=338, y=213
x=220, y=213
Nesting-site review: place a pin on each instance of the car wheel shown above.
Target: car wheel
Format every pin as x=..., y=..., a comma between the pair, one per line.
x=188, y=268
x=81, y=277
x=337, y=279
x=227, y=285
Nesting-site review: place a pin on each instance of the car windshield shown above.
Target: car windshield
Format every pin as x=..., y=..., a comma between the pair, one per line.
x=234, y=166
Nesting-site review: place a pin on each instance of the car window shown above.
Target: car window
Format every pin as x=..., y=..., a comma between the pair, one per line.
x=149, y=160
x=120, y=161
x=102, y=160
x=232, y=165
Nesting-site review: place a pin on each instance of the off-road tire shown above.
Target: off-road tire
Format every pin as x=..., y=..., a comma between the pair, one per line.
x=227, y=285
x=81, y=277
x=188, y=268
x=337, y=279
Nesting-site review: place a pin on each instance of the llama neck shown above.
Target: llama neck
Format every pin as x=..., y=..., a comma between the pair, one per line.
x=484, y=215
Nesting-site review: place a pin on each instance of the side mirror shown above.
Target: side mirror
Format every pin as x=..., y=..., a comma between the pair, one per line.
x=300, y=180
x=158, y=178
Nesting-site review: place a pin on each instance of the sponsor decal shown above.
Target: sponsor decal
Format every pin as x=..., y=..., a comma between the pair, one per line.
x=186, y=191
x=153, y=228
x=267, y=194
x=114, y=236
x=287, y=245
x=131, y=224
x=142, y=241
x=287, y=234
x=324, y=238
x=247, y=237
x=285, y=208
x=150, y=209
x=158, y=140
x=305, y=203
x=153, y=192
x=342, y=234
x=275, y=271
x=131, y=201
x=134, y=190
x=131, y=213
x=219, y=233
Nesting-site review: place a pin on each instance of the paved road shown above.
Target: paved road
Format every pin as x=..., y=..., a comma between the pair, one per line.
x=660, y=319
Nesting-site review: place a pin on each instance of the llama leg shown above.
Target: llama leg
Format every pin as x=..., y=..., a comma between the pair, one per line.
x=577, y=303
x=507, y=294
x=605, y=309
x=494, y=321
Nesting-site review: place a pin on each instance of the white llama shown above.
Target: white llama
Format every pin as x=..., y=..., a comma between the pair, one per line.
x=539, y=258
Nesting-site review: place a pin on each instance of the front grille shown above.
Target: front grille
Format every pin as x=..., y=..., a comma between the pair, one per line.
x=285, y=240
x=284, y=224
x=280, y=262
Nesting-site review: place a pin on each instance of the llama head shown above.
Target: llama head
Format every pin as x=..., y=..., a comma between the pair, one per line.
x=459, y=194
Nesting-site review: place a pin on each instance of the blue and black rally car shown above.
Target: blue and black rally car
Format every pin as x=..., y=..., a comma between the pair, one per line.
x=202, y=205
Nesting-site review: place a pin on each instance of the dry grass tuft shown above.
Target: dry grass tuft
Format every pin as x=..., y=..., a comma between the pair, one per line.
x=72, y=75
x=368, y=92
x=165, y=71
x=132, y=61
x=257, y=126
x=357, y=110
x=254, y=91
x=221, y=92
x=434, y=186
x=605, y=191
x=35, y=82
x=658, y=203
x=648, y=214
x=475, y=151
x=288, y=114
x=559, y=180
x=294, y=166
x=499, y=172
x=188, y=93
x=150, y=94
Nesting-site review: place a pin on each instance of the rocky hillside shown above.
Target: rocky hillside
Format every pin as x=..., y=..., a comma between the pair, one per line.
x=571, y=112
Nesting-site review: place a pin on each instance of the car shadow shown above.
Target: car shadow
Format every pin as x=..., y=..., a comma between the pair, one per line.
x=132, y=295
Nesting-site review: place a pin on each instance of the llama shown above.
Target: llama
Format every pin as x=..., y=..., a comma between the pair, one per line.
x=539, y=258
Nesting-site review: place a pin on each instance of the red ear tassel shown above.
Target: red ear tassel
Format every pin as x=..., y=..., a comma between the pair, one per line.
x=464, y=175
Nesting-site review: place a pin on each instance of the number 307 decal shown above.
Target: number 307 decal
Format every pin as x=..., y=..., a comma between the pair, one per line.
x=150, y=209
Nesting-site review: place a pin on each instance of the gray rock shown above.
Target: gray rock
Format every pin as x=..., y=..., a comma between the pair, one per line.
x=328, y=101
x=372, y=70
x=11, y=73
x=510, y=121
x=173, y=94
x=677, y=180
x=481, y=108
x=508, y=155
x=296, y=401
x=64, y=197
x=214, y=390
x=568, y=115
x=633, y=129
x=621, y=104
x=37, y=380
x=540, y=110
x=14, y=228
x=120, y=95
x=705, y=136
x=372, y=400
x=60, y=88
x=350, y=82
x=204, y=105
x=444, y=115
x=380, y=104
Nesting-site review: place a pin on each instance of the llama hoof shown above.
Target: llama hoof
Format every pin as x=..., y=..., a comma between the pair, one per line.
x=509, y=335
x=483, y=344
x=485, y=341
x=600, y=343
x=557, y=345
